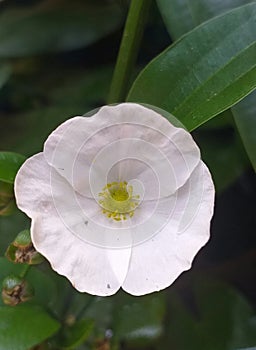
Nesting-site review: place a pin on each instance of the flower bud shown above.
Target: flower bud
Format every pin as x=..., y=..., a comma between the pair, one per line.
x=21, y=250
x=16, y=290
x=7, y=203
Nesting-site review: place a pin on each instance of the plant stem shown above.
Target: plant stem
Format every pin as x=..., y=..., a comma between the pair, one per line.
x=128, y=50
x=24, y=270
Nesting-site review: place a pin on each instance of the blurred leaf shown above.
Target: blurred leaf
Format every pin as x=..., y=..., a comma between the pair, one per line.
x=139, y=320
x=9, y=226
x=54, y=27
x=5, y=72
x=7, y=202
x=76, y=334
x=9, y=165
x=223, y=152
x=205, y=72
x=45, y=290
x=221, y=121
x=181, y=16
x=245, y=118
x=222, y=319
x=74, y=96
x=94, y=308
x=24, y=326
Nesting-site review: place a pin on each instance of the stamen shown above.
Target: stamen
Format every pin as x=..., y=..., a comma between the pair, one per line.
x=117, y=200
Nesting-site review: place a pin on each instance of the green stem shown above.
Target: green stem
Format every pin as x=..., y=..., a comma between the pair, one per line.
x=25, y=270
x=128, y=51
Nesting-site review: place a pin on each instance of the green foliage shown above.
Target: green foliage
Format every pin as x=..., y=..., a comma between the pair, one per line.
x=7, y=204
x=10, y=163
x=181, y=16
x=222, y=150
x=53, y=27
x=245, y=118
x=5, y=72
x=139, y=320
x=44, y=286
x=205, y=72
x=220, y=319
x=24, y=326
x=192, y=13
x=76, y=334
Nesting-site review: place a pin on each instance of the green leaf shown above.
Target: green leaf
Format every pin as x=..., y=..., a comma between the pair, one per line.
x=166, y=115
x=78, y=93
x=24, y=326
x=55, y=27
x=223, y=320
x=76, y=334
x=45, y=289
x=245, y=118
x=181, y=16
x=7, y=202
x=205, y=72
x=139, y=320
x=9, y=165
x=223, y=152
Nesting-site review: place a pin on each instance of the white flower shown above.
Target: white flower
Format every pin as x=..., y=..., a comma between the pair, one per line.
x=118, y=199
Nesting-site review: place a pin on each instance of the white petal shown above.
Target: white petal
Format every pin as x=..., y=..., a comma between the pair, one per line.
x=62, y=230
x=90, y=269
x=156, y=263
x=71, y=149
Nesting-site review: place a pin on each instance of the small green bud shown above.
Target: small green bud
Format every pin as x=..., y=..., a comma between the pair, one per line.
x=16, y=290
x=23, y=240
x=21, y=250
x=7, y=203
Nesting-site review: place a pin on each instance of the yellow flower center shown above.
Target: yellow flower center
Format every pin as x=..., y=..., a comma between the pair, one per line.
x=117, y=200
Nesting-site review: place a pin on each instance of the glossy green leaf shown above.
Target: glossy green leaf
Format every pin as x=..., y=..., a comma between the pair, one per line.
x=139, y=320
x=45, y=289
x=76, y=334
x=55, y=27
x=245, y=118
x=10, y=163
x=223, y=320
x=24, y=326
x=181, y=16
x=205, y=72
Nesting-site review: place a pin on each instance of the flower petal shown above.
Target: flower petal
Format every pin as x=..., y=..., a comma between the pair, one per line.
x=62, y=229
x=89, y=268
x=156, y=263
x=73, y=147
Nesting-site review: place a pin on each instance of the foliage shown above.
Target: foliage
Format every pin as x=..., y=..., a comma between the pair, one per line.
x=56, y=60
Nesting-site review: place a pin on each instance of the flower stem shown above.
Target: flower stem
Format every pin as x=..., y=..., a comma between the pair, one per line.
x=24, y=271
x=128, y=50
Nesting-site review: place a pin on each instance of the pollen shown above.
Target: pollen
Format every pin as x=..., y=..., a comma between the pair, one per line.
x=118, y=201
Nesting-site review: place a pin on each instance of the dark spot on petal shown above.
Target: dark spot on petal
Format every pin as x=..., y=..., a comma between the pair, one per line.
x=108, y=286
x=86, y=222
x=61, y=168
